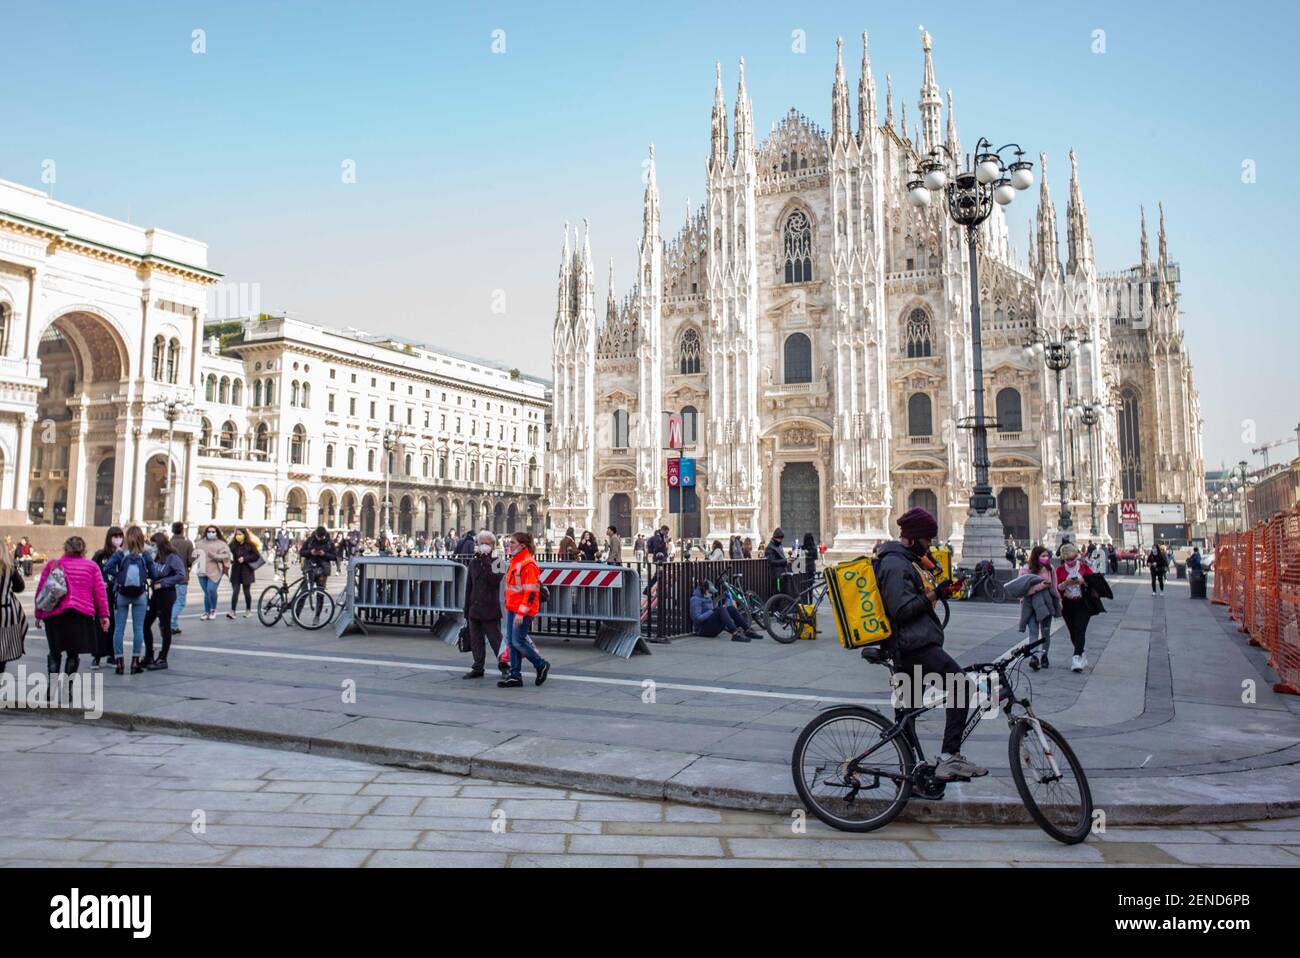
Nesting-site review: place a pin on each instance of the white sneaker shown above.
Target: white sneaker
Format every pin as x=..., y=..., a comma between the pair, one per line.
x=1076, y=664
x=1083, y=661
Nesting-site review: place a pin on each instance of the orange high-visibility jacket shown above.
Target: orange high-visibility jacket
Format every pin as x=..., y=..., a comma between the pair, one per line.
x=523, y=584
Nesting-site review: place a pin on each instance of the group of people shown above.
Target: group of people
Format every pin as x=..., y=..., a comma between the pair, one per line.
x=1071, y=590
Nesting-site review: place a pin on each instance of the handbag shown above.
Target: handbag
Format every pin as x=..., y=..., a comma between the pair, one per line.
x=257, y=563
x=462, y=639
x=52, y=590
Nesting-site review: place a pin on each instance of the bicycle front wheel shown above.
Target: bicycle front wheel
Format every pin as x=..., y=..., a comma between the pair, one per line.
x=313, y=609
x=845, y=792
x=994, y=591
x=1056, y=794
x=944, y=612
x=756, y=609
x=782, y=618
x=270, y=605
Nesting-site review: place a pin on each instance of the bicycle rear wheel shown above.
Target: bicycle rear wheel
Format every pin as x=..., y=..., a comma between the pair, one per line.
x=782, y=618
x=1061, y=803
x=994, y=591
x=313, y=609
x=270, y=605
x=756, y=609
x=944, y=612
x=849, y=796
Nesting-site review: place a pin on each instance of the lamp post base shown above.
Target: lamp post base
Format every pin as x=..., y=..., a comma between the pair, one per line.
x=984, y=538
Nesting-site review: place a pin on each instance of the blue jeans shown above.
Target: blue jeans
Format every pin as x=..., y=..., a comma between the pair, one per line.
x=181, y=589
x=209, y=587
x=521, y=644
x=726, y=617
x=137, y=607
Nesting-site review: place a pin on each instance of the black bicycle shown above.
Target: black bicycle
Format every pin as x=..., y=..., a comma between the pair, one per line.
x=983, y=584
x=306, y=601
x=856, y=770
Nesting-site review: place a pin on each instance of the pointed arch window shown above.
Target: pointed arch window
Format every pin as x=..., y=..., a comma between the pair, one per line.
x=688, y=352
x=352, y=458
x=918, y=334
x=210, y=389
x=223, y=390
x=305, y=401
x=796, y=246
x=293, y=393
x=329, y=456
x=1130, y=439
x=298, y=445
x=205, y=434
x=228, y=433
x=237, y=392
x=5, y=314
x=798, y=359
x=262, y=441
x=1008, y=410
x=270, y=392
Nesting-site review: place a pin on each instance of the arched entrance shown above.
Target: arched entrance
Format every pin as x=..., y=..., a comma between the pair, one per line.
x=104, y=491
x=499, y=519
x=1013, y=508
x=620, y=513
x=800, y=502
x=83, y=361
x=512, y=518
x=405, y=516
x=368, y=516
x=348, y=512
x=158, y=481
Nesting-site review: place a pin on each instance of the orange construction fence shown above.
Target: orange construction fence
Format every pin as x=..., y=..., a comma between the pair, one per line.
x=1257, y=576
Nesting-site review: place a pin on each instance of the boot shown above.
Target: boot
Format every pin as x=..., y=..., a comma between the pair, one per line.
x=135, y=665
x=118, y=668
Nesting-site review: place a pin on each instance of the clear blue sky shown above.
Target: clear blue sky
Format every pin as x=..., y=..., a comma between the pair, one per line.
x=468, y=162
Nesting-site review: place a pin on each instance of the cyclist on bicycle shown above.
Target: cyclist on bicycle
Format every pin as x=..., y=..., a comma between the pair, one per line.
x=916, y=645
x=318, y=554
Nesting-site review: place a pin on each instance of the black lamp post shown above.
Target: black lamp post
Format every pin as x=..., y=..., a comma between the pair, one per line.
x=172, y=409
x=1089, y=415
x=392, y=437
x=1058, y=354
x=970, y=195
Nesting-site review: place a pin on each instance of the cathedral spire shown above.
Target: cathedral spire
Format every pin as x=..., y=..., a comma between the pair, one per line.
x=744, y=124
x=952, y=144
x=902, y=123
x=930, y=103
x=718, y=152
x=650, y=211
x=611, y=303
x=1049, y=251
x=563, y=297
x=1076, y=217
x=841, y=127
x=1163, y=243
x=1145, y=250
x=866, y=95
x=889, y=101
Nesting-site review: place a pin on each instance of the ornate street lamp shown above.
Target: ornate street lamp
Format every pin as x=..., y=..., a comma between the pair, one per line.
x=970, y=196
x=392, y=438
x=172, y=409
x=1089, y=414
x=1058, y=354
x=1243, y=482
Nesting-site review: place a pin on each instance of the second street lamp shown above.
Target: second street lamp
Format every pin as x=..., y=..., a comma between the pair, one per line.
x=970, y=195
x=1058, y=355
x=1089, y=415
x=392, y=437
x=172, y=409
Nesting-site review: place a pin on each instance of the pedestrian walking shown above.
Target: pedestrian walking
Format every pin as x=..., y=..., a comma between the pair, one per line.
x=13, y=621
x=71, y=620
x=638, y=547
x=104, y=640
x=213, y=558
x=1040, y=604
x=168, y=572
x=245, y=559
x=1158, y=564
x=613, y=546
x=523, y=602
x=483, y=608
x=1074, y=606
x=184, y=548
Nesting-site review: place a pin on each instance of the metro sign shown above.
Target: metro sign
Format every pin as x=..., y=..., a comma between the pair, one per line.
x=674, y=435
x=1128, y=510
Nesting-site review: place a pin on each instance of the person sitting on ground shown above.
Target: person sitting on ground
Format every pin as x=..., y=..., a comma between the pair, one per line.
x=711, y=616
x=916, y=645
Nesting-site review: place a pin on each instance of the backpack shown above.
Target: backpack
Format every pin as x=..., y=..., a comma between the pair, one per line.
x=52, y=590
x=130, y=582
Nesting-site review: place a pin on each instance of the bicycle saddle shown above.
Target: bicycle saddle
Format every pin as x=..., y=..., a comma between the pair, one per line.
x=875, y=655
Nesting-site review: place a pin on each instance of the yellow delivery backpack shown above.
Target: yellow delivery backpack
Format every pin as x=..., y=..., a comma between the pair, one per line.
x=855, y=597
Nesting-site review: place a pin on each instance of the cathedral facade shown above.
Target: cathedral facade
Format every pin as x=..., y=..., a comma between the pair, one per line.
x=812, y=329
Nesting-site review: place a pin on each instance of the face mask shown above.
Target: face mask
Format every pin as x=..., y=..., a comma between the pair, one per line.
x=239, y=537
x=211, y=535
x=918, y=550
x=484, y=548
x=1044, y=559
x=117, y=542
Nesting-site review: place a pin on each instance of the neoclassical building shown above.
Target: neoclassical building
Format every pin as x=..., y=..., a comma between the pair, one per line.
x=103, y=324
x=812, y=329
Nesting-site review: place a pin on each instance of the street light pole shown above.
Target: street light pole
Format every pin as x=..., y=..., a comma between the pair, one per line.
x=172, y=409
x=391, y=439
x=1089, y=414
x=970, y=194
x=1058, y=355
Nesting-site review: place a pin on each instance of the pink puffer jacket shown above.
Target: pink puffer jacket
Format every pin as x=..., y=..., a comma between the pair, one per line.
x=85, y=588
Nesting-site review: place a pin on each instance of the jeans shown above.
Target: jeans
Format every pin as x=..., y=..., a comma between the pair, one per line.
x=209, y=587
x=521, y=645
x=726, y=617
x=137, y=607
x=181, y=590
x=160, y=606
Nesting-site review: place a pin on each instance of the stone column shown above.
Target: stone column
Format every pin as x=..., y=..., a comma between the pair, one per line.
x=77, y=468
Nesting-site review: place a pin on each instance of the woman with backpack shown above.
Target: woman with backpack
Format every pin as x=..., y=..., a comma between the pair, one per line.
x=104, y=642
x=71, y=605
x=523, y=602
x=214, y=562
x=130, y=569
x=167, y=573
x=245, y=558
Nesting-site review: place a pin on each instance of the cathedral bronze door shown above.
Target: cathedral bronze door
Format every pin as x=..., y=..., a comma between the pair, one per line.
x=1013, y=507
x=620, y=513
x=800, y=502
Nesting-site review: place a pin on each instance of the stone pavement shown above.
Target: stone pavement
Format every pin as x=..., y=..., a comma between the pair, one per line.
x=89, y=795
x=1159, y=721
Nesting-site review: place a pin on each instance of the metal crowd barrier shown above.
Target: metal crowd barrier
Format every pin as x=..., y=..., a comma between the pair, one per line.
x=410, y=592
x=608, y=596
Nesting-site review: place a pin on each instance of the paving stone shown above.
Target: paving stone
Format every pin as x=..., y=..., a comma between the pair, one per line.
x=620, y=811
x=1226, y=854
x=439, y=859
x=313, y=788
x=573, y=861
x=275, y=835
x=645, y=845
x=1012, y=851
x=161, y=853
x=373, y=838
x=487, y=840
x=299, y=857
x=562, y=809
x=816, y=849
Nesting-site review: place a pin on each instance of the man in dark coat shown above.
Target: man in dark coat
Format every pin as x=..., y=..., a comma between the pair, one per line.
x=483, y=606
x=656, y=549
x=916, y=642
x=465, y=547
x=777, y=563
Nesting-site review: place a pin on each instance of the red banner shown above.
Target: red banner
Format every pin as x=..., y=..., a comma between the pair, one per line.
x=674, y=473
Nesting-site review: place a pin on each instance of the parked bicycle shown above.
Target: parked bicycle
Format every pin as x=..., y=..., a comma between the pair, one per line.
x=746, y=600
x=856, y=770
x=982, y=583
x=786, y=617
x=307, y=603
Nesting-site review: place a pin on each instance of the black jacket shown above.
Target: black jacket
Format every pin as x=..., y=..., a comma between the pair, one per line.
x=465, y=547
x=776, y=559
x=241, y=572
x=483, y=594
x=911, y=616
x=656, y=549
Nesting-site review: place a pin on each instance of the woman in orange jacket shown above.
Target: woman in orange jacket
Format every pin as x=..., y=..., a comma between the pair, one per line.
x=523, y=600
